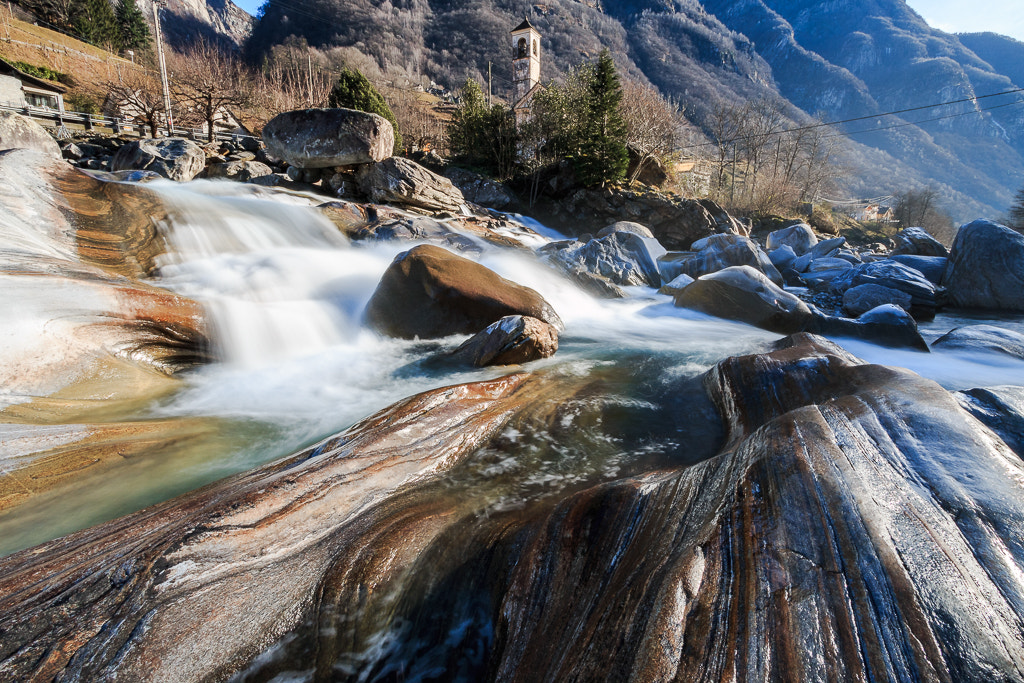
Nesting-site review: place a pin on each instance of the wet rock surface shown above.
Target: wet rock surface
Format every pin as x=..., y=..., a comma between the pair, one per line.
x=430, y=292
x=20, y=132
x=836, y=532
x=513, y=340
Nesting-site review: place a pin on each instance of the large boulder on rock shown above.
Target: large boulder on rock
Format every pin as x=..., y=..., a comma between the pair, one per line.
x=175, y=158
x=932, y=267
x=746, y=294
x=21, y=132
x=799, y=237
x=621, y=258
x=925, y=296
x=886, y=325
x=917, y=242
x=429, y=292
x=513, y=340
x=986, y=267
x=862, y=298
x=724, y=251
x=398, y=180
x=984, y=338
x=324, y=138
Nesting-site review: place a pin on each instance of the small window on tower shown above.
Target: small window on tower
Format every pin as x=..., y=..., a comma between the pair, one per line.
x=535, y=48
x=521, y=49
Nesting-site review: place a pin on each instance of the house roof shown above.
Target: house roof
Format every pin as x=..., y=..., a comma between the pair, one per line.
x=523, y=26
x=11, y=70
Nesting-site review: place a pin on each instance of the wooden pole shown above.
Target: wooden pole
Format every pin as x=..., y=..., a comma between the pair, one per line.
x=163, y=69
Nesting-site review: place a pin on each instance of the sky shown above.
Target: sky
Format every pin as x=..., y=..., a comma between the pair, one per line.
x=952, y=16
x=970, y=16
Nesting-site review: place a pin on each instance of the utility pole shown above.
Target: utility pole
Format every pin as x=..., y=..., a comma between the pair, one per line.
x=163, y=68
x=488, y=84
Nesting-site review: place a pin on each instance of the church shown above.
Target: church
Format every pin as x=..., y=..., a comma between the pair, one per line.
x=525, y=69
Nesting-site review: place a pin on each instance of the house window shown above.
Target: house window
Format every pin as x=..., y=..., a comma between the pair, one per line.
x=535, y=49
x=521, y=50
x=34, y=99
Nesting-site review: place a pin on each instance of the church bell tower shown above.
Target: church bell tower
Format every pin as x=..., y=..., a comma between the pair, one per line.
x=525, y=62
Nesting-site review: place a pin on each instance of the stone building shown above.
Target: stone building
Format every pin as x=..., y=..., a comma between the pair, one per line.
x=525, y=69
x=18, y=89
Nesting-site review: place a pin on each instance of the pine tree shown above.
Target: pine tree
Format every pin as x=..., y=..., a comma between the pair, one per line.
x=354, y=91
x=94, y=20
x=603, y=156
x=131, y=24
x=1016, y=215
x=466, y=130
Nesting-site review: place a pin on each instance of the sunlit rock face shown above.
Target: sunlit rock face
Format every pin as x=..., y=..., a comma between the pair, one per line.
x=855, y=524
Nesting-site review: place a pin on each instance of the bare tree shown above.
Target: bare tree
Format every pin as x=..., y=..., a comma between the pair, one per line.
x=136, y=93
x=919, y=208
x=207, y=80
x=653, y=123
x=422, y=127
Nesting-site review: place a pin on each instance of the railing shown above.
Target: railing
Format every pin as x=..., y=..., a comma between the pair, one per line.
x=115, y=124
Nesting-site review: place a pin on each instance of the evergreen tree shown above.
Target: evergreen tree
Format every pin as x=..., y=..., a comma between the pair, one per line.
x=483, y=137
x=354, y=91
x=132, y=28
x=1016, y=215
x=94, y=20
x=603, y=156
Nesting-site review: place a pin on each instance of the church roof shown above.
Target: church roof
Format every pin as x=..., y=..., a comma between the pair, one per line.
x=523, y=26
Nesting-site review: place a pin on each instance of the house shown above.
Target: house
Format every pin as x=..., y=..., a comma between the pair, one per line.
x=875, y=213
x=525, y=69
x=19, y=89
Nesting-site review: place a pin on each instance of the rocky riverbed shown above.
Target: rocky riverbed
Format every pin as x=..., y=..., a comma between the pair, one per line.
x=252, y=432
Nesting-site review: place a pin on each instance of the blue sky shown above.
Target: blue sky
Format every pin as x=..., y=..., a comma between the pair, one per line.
x=953, y=16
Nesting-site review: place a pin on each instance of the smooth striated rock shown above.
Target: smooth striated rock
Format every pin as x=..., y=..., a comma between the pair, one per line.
x=983, y=338
x=430, y=292
x=324, y=138
x=21, y=132
x=986, y=268
x=1001, y=409
x=175, y=158
x=513, y=340
x=800, y=238
x=863, y=298
x=917, y=242
x=717, y=252
x=620, y=257
x=745, y=294
x=401, y=181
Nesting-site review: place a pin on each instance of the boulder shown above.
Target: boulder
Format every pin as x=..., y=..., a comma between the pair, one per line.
x=398, y=228
x=723, y=251
x=932, y=267
x=242, y=171
x=622, y=258
x=323, y=138
x=21, y=132
x=863, y=298
x=800, y=238
x=626, y=226
x=1001, y=409
x=175, y=158
x=917, y=242
x=826, y=248
x=401, y=181
x=986, y=268
x=746, y=294
x=887, y=325
x=512, y=340
x=983, y=338
x=783, y=257
x=925, y=296
x=429, y=292
x=676, y=285
x=479, y=189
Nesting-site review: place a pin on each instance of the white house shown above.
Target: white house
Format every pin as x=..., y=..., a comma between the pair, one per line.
x=19, y=89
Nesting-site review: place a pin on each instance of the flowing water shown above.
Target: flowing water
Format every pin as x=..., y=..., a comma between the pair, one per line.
x=285, y=292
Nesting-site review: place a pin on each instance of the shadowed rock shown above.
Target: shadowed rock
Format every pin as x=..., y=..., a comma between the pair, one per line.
x=175, y=158
x=401, y=181
x=513, y=340
x=430, y=292
x=986, y=267
x=983, y=338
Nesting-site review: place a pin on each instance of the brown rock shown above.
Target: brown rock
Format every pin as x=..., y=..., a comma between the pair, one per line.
x=430, y=292
x=512, y=340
